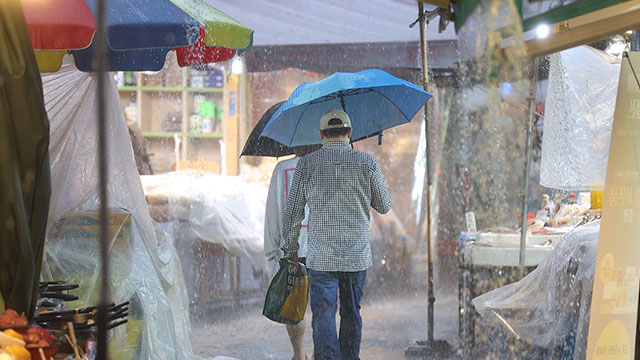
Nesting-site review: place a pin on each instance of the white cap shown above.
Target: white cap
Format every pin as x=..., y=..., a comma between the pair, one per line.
x=341, y=120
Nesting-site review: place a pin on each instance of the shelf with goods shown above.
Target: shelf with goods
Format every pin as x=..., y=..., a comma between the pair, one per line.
x=182, y=105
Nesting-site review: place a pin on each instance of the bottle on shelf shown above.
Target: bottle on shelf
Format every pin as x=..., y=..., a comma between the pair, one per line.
x=547, y=205
x=118, y=76
x=219, y=113
x=206, y=124
x=558, y=203
x=129, y=78
x=584, y=199
x=195, y=124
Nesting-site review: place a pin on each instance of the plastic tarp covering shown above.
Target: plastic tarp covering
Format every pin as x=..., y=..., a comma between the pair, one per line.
x=581, y=98
x=553, y=301
x=144, y=267
x=202, y=209
x=220, y=209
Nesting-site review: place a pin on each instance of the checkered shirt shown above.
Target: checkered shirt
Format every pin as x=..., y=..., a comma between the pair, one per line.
x=339, y=185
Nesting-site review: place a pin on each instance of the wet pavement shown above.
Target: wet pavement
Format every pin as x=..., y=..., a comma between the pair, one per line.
x=390, y=324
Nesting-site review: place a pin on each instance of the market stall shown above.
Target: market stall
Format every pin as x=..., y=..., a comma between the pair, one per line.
x=158, y=325
x=547, y=312
x=81, y=229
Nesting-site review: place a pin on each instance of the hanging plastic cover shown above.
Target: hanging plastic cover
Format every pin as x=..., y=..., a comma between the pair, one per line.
x=581, y=98
x=144, y=267
x=552, y=303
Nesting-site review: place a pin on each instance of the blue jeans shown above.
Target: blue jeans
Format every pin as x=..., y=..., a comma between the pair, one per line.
x=323, y=295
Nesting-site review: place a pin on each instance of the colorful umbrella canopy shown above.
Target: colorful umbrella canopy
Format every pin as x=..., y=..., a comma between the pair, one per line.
x=139, y=33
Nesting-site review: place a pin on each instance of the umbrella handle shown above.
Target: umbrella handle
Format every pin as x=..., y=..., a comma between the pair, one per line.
x=380, y=138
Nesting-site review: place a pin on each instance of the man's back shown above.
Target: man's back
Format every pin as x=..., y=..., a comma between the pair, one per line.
x=339, y=184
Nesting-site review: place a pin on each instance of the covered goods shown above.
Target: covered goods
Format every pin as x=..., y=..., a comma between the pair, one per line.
x=217, y=226
x=144, y=267
x=549, y=308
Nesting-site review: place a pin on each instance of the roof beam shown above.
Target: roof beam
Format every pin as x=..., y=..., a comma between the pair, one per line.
x=588, y=28
x=439, y=3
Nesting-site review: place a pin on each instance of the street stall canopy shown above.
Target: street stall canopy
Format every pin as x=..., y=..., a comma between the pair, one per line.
x=139, y=34
x=368, y=34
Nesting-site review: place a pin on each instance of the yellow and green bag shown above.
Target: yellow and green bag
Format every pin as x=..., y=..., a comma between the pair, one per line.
x=286, y=300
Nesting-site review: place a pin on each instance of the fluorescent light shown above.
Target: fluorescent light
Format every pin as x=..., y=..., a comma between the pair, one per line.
x=629, y=32
x=542, y=31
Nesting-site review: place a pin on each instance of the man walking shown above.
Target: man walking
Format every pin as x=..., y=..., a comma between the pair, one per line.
x=339, y=185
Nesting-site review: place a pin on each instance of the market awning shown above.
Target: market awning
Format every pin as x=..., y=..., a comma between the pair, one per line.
x=574, y=23
x=398, y=58
x=139, y=34
x=286, y=22
x=336, y=35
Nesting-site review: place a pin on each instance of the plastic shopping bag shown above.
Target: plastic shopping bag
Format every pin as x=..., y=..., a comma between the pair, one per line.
x=286, y=300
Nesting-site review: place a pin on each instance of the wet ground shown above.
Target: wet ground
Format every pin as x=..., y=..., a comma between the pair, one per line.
x=390, y=324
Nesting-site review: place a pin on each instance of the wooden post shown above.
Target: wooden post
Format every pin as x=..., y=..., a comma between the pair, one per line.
x=231, y=115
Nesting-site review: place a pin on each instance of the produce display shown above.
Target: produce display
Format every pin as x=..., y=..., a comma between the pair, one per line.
x=12, y=343
x=14, y=352
x=53, y=326
x=23, y=342
x=10, y=319
x=37, y=337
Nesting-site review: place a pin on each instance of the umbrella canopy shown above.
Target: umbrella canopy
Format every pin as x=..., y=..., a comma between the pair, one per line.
x=139, y=33
x=374, y=100
x=257, y=145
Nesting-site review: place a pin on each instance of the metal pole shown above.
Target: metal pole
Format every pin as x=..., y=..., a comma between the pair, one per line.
x=533, y=75
x=425, y=85
x=99, y=57
x=429, y=348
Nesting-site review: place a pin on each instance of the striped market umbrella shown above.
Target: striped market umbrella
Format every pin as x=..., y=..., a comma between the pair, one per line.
x=139, y=33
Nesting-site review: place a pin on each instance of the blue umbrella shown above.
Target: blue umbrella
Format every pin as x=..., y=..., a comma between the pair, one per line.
x=374, y=100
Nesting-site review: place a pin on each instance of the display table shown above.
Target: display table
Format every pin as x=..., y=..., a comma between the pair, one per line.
x=487, y=261
x=496, y=249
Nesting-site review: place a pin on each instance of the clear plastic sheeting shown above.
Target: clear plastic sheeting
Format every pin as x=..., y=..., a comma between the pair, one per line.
x=144, y=267
x=581, y=98
x=549, y=308
x=217, y=223
x=224, y=210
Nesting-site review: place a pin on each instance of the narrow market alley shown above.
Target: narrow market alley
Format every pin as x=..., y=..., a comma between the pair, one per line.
x=390, y=323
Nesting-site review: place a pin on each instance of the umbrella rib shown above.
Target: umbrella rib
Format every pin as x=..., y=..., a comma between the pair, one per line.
x=339, y=93
x=296, y=128
x=396, y=106
x=389, y=100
